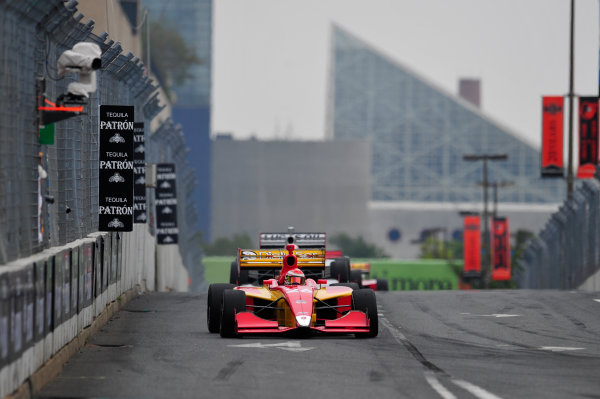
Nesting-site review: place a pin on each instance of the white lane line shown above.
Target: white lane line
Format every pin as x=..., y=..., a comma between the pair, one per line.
x=438, y=387
x=559, y=348
x=597, y=300
x=499, y=315
x=290, y=346
x=475, y=390
x=398, y=336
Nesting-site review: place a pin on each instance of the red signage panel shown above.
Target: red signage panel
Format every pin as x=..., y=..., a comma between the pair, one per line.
x=552, y=136
x=500, y=249
x=588, y=137
x=472, y=244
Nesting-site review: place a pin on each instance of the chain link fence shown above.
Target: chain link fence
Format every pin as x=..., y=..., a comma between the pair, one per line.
x=566, y=252
x=41, y=213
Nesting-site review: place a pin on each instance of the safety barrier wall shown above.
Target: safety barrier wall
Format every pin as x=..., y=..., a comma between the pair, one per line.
x=566, y=253
x=48, y=298
x=57, y=272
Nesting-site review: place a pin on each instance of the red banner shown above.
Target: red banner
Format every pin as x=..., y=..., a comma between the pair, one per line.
x=472, y=245
x=588, y=137
x=552, y=137
x=500, y=249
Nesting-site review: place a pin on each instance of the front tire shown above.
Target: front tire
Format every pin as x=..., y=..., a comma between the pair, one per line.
x=213, y=306
x=365, y=301
x=234, y=301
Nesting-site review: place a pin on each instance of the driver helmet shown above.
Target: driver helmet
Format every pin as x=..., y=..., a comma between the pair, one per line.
x=295, y=276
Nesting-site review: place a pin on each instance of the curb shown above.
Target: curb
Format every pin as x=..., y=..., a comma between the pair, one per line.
x=53, y=366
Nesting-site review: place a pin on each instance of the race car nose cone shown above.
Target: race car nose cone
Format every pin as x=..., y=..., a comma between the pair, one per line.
x=303, y=321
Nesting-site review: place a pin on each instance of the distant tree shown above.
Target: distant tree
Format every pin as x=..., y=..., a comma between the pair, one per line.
x=171, y=56
x=357, y=247
x=227, y=246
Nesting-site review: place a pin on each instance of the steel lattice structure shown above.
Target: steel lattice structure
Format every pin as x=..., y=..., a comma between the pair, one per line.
x=419, y=133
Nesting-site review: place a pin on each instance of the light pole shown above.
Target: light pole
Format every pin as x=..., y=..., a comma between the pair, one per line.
x=495, y=185
x=570, y=177
x=486, y=239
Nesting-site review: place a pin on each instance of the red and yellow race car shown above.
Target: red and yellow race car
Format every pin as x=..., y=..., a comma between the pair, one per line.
x=359, y=272
x=290, y=302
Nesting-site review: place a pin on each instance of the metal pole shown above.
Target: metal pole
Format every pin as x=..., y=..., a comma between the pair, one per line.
x=495, y=185
x=570, y=177
x=147, y=42
x=486, y=244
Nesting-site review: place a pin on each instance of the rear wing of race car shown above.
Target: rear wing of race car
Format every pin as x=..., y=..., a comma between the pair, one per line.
x=254, y=259
x=302, y=240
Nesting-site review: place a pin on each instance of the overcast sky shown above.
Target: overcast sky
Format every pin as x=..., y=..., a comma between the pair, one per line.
x=270, y=57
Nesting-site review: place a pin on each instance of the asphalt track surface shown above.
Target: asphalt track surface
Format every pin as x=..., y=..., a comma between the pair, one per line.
x=442, y=344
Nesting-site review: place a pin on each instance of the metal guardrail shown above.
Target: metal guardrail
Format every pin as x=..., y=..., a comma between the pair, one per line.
x=567, y=250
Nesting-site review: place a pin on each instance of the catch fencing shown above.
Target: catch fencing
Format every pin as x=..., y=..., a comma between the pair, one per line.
x=566, y=253
x=57, y=272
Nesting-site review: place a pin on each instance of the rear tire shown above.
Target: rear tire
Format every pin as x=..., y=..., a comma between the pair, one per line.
x=213, y=307
x=382, y=284
x=356, y=277
x=365, y=301
x=234, y=301
x=234, y=273
x=340, y=269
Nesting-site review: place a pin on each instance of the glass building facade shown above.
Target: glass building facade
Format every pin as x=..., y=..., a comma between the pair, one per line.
x=419, y=133
x=193, y=21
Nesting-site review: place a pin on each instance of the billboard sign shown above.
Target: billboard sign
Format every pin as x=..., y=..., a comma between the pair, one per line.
x=115, y=195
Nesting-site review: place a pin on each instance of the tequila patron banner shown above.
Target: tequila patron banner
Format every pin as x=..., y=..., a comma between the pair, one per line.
x=552, y=137
x=115, y=202
x=472, y=245
x=588, y=137
x=166, y=204
x=139, y=174
x=501, y=249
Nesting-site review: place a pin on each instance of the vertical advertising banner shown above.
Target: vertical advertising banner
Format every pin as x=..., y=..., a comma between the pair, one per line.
x=57, y=281
x=49, y=289
x=552, y=137
x=472, y=245
x=501, y=250
x=74, y=280
x=166, y=204
x=66, y=275
x=88, y=261
x=29, y=311
x=40, y=299
x=17, y=305
x=115, y=195
x=588, y=137
x=4, y=319
x=139, y=174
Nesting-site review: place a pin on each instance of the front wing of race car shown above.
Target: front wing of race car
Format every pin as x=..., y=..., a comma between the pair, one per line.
x=324, y=309
x=353, y=322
